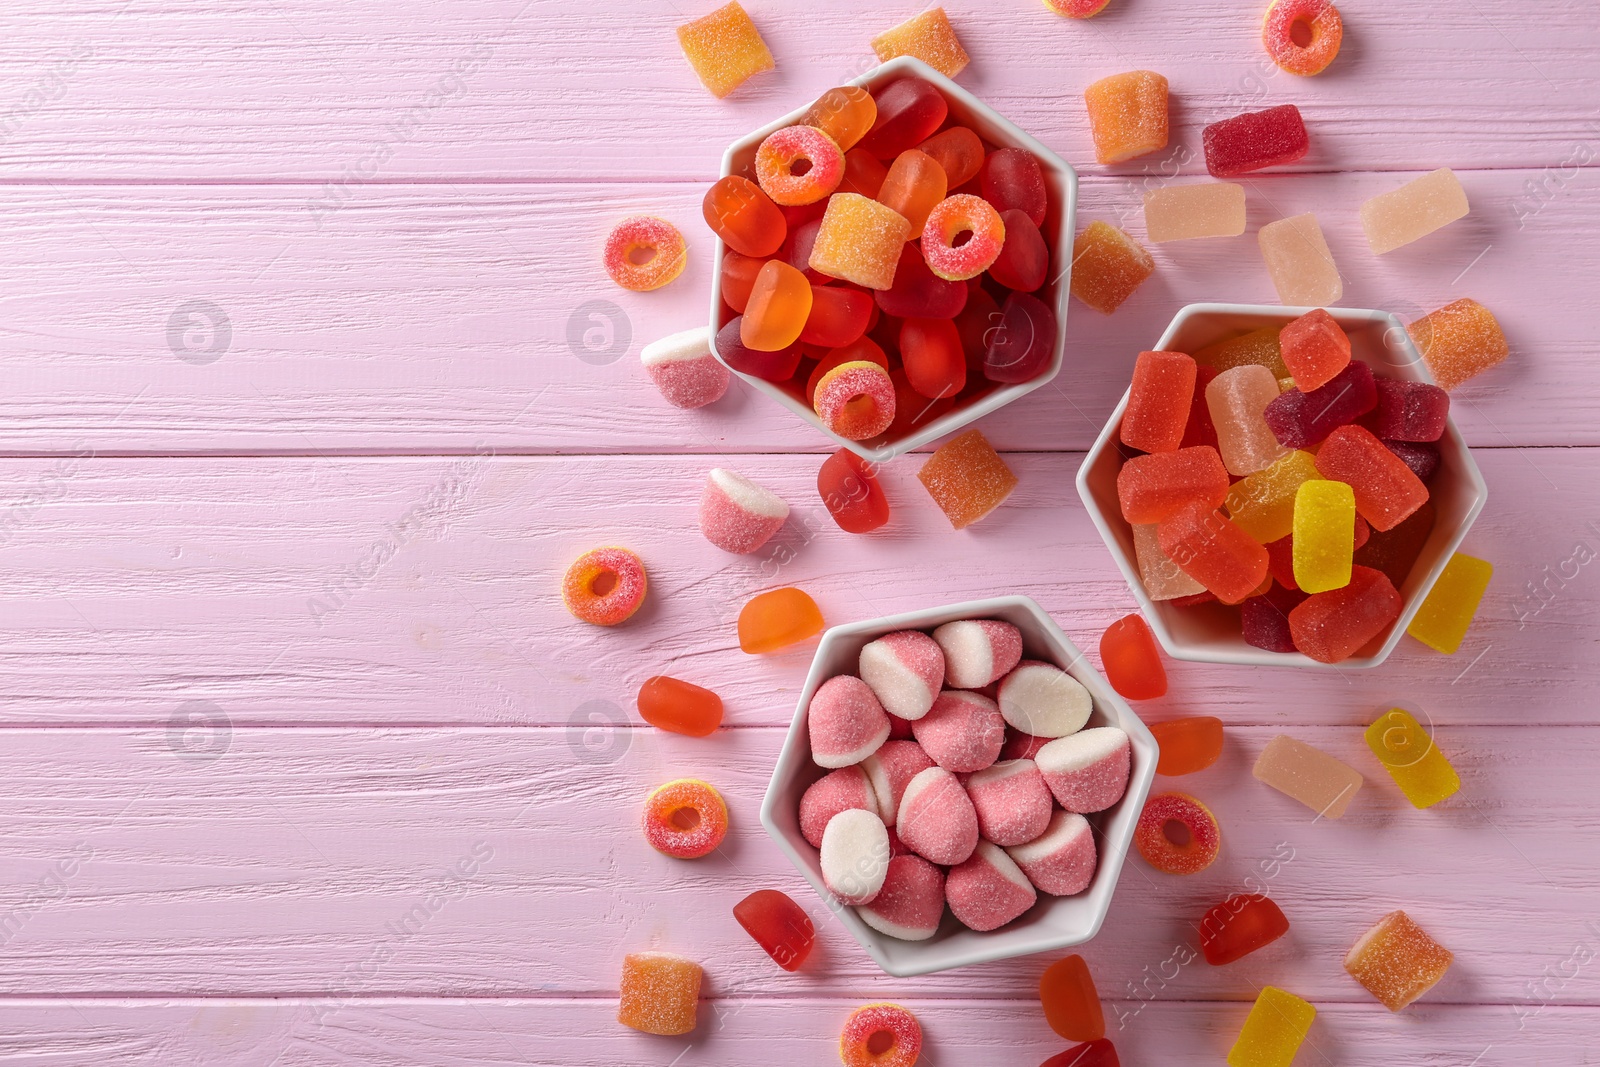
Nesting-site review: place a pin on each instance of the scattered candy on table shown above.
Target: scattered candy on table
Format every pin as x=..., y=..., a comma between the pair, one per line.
x=776, y=619
x=1238, y=926
x=1177, y=834
x=927, y=36
x=1397, y=961
x=1419, y=207
x=1187, y=745
x=684, y=368
x=1448, y=610
x=1309, y=775
x=660, y=993
x=1107, y=266
x=1077, y=9
x=1321, y=23
x=1415, y=763
x=880, y=1035
x=779, y=925
x=1127, y=115
x=736, y=514
x=1254, y=141
x=1273, y=1031
x=1131, y=660
x=967, y=478
x=851, y=493
x=1299, y=262
x=1459, y=341
x=685, y=819
x=1071, y=1002
x=1186, y=212
x=1101, y=1053
x=724, y=48
x=605, y=586
x=644, y=253
x=679, y=707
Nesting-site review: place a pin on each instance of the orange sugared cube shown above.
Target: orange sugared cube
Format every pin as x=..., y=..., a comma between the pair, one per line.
x=929, y=37
x=1459, y=341
x=1107, y=266
x=724, y=48
x=1127, y=115
x=1397, y=961
x=660, y=993
x=967, y=478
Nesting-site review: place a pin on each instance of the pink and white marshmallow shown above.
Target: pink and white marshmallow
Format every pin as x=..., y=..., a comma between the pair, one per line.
x=978, y=651
x=906, y=670
x=911, y=903
x=962, y=732
x=846, y=722
x=1023, y=746
x=1044, y=700
x=1062, y=860
x=936, y=819
x=684, y=369
x=855, y=856
x=890, y=769
x=1012, y=802
x=736, y=514
x=1087, y=771
x=989, y=889
x=836, y=791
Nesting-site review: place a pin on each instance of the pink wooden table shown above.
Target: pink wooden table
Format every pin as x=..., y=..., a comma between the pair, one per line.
x=305, y=764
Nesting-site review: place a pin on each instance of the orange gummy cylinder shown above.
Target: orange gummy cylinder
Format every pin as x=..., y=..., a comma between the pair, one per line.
x=1151, y=488
x=914, y=185
x=1071, y=1002
x=1159, y=401
x=1333, y=626
x=845, y=114
x=1397, y=961
x=1187, y=745
x=1387, y=491
x=1214, y=552
x=1127, y=115
x=1459, y=341
x=780, y=303
x=959, y=153
x=1107, y=266
x=744, y=217
x=1132, y=662
x=679, y=707
x=1240, y=925
x=931, y=351
x=660, y=993
x=776, y=619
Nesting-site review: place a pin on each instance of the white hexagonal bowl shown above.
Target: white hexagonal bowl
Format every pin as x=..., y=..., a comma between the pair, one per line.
x=1054, y=922
x=1058, y=230
x=1209, y=633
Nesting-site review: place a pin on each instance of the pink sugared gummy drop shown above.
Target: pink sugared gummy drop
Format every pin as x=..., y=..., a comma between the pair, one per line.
x=846, y=722
x=836, y=791
x=854, y=856
x=989, y=889
x=1062, y=860
x=963, y=731
x=684, y=369
x=911, y=902
x=1087, y=771
x=978, y=652
x=736, y=514
x=1012, y=802
x=890, y=769
x=936, y=819
x=905, y=670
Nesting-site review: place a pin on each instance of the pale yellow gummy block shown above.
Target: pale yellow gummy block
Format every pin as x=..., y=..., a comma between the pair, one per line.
x=1162, y=578
x=1184, y=212
x=1299, y=262
x=1309, y=775
x=1413, y=211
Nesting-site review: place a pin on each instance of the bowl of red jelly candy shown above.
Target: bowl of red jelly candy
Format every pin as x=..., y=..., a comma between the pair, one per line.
x=893, y=260
x=1281, y=486
x=960, y=785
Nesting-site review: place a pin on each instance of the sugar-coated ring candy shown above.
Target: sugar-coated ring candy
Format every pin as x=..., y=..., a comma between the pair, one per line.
x=1163, y=853
x=685, y=818
x=1077, y=9
x=856, y=400
x=862, y=1041
x=644, y=253
x=605, y=586
x=1319, y=17
x=783, y=149
x=949, y=219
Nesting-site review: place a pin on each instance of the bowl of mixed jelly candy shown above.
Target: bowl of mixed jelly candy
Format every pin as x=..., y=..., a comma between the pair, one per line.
x=893, y=260
x=1282, y=486
x=960, y=785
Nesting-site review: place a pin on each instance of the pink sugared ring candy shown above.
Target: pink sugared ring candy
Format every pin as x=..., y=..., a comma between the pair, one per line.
x=685, y=819
x=644, y=253
x=1077, y=9
x=962, y=237
x=963, y=731
x=906, y=670
x=989, y=889
x=854, y=856
x=1062, y=860
x=911, y=902
x=978, y=652
x=1012, y=802
x=1042, y=699
x=605, y=586
x=736, y=514
x=684, y=369
x=778, y=156
x=936, y=819
x=836, y=791
x=856, y=400
x=1087, y=771
x=889, y=770
x=880, y=1035
x=1322, y=26
x=846, y=722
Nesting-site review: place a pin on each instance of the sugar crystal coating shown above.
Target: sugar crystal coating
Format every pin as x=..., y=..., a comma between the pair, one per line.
x=1261, y=347
x=1333, y=626
x=1321, y=23
x=1422, y=457
x=836, y=791
x=928, y=36
x=988, y=890
x=860, y=241
x=1397, y=961
x=1298, y=259
x=1315, y=348
x=660, y=993
x=890, y=769
x=962, y=732
x=1255, y=140
x=1070, y=1001
x=1262, y=504
x=1386, y=490
x=1214, y=551
x=1238, y=926
x=1309, y=775
x=1041, y=699
x=685, y=819
x=1156, y=844
x=859, y=1042
x=1077, y=9
x=644, y=253
x=1087, y=771
x=952, y=217
x=854, y=856
x=1012, y=802
x=1273, y=1031
x=1408, y=412
x=1153, y=488
x=856, y=400
x=1185, y=212
x=845, y=721
x=798, y=165
x=1324, y=535
x=936, y=819
x=978, y=652
x=736, y=514
x=911, y=902
x=1300, y=419
x=1159, y=401
x=1162, y=578
x=1442, y=621
x=1107, y=266
x=779, y=925
x=1408, y=753
x=1411, y=212
x=967, y=478
x=1127, y=115
x=683, y=367
x=605, y=586
x=1062, y=860
x=1459, y=341
x=724, y=48
x=1238, y=399
x=1264, y=619
x=906, y=671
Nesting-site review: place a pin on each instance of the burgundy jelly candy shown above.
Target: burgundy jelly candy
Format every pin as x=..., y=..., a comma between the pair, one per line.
x=1011, y=178
x=1255, y=140
x=918, y=293
x=1421, y=456
x=1024, y=259
x=1264, y=620
x=1408, y=411
x=1021, y=343
x=1300, y=420
x=776, y=366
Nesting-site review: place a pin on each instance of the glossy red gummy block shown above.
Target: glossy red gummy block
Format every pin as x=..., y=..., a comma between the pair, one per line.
x=779, y=925
x=1131, y=660
x=838, y=316
x=1255, y=140
x=930, y=351
x=1302, y=419
x=909, y=111
x=1240, y=925
x=1022, y=342
x=851, y=493
x=1101, y=1053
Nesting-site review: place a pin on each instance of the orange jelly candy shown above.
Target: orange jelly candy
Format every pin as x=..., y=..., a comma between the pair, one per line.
x=914, y=185
x=927, y=36
x=851, y=492
x=1459, y=341
x=1071, y=1002
x=780, y=303
x=863, y=174
x=744, y=217
x=1127, y=115
x=1213, y=551
x=776, y=619
x=1107, y=266
x=724, y=48
x=677, y=706
x=1187, y=745
x=1132, y=663
x=845, y=114
x=967, y=478
x=660, y=993
x=1397, y=961
x=958, y=151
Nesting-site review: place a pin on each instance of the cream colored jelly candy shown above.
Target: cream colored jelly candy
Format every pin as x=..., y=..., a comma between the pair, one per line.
x=860, y=241
x=1413, y=211
x=1324, y=535
x=1262, y=504
x=1182, y=212
x=1309, y=775
x=927, y=36
x=1299, y=262
x=724, y=48
x=1162, y=578
x=1236, y=399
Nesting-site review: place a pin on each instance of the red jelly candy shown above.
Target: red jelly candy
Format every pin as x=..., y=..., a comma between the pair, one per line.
x=1022, y=342
x=1131, y=661
x=863, y=174
x=738, y=278
x=797, y=250
x=744, y=217
x=776, y=366
x=1011, y=178
x=1240, y=925
x=1200, y=429
x=1160, y=401
x=918, y=293
x=1154, y=487
x=912, y=410
x=1408, y=411
x=1214, y=552
x=1333, y=626
x=1264, y=619
x=909, y=111
x=1280, y=561
x=779, y=925
x=1300, y=419
x=1387, y=491
x=981, y=315
x=1024, y=259
x=1395, y=552
x=1255, y=140
x=930, y=350
x=1315, y=348
x=839, y=315
x=851, y=493
x=1101, y=1053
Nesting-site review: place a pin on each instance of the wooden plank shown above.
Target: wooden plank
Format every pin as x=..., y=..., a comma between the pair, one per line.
x=421, y=319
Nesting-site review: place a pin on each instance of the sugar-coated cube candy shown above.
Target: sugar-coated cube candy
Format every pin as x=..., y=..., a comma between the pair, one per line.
x=1300, y=419
x=776, y=619
x=890, y=769
x=1062, y=860
x=1155, y=487
x=1187, y=745
x=1023, y=262
x=685, y=819
x=1324, y=535
x=1254, y=141
x=1127, y=115
x=1262, y=504
x=1101, y=1053
x=862, y=1042
x=838, y=790
x=928, y=36
x=724, y=48
x=1173, y=853
x=1159, y=400
x=1264, y=619
x=1397, y=961
x=779, y=925
x=736, y=514
x=1442, y=620
x=1088, y=770
x=798, y=165
x=855, y=400
x=1214, y=551
x=1408, y=753
x=660, y=993
x=911, y=902
x=682, y=366
x=1277, y=1024
x=978, y=652
x=780, y=303
x=744, y=217
x=1333, y=626
x=1043, y=700
x=967, y=478
x=1011, y=179
x=1238, y=399
x=846, y=722
x=962, y=732
x=1077, y=9
x=972, y=221
x=988, y=890
x=860, y=241
x=644, y=253
x=849, y=489
x=1386, y=490
x=1411, y=212
x=1022, y=342
x=1315, y=348
x=1261, y=347
x=1012, y=802
x=854, y=856
x=1071, y=1002
x=905, y=670
x=1185, y=212
x=914, y=185
x=1107, y=266
x=845, y=114
x=1309, y=775
x=1408, y=411
x=1459, y=341
x=1131, y=660
x=1162, y=578
x=1238, y=926
x=959, y=151
x=776, y=366
x=936, y=819
x=679, y=707
x=909, y=112
x=1421, y=456
x=605, y=586
x=1299, y=262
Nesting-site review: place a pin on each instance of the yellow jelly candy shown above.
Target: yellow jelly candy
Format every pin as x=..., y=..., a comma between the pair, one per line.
x=1262, y=504
x=1324, y=535
x=1442, y=621
x=724, y=48
x=1272, y=1034
x=1411, y=758
x=929, y=37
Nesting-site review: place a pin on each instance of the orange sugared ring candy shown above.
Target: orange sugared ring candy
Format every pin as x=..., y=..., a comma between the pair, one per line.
x=1177, y=834
x=685, y=819
x=605, y=586
x=644, y=253
x=679, y=707
x=1318, y=20
x=880, y=1035
x=776, y=619
x=947, y=222
x=844, y=114
x=856, y=400
x=819, y=161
